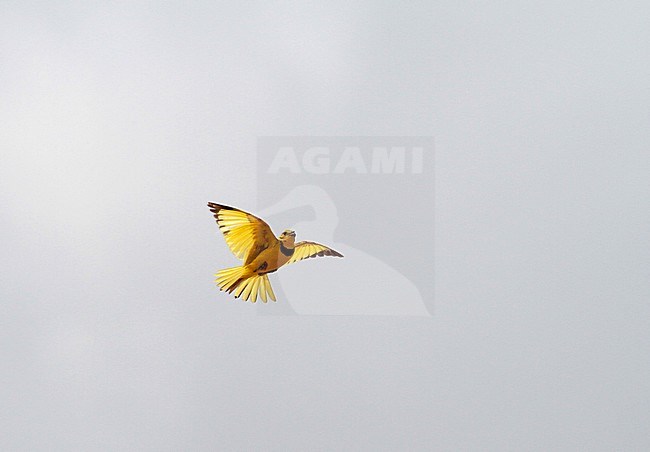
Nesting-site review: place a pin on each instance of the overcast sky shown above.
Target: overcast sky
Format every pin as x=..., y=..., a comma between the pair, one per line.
x=119, y=121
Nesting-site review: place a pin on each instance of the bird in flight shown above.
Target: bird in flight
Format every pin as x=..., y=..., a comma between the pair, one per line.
x=253, y=242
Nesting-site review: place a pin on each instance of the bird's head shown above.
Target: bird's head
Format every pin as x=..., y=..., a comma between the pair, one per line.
x=288, y=237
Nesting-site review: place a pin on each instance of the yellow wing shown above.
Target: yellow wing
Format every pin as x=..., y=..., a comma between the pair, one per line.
x=305, y=250
x=246, y=235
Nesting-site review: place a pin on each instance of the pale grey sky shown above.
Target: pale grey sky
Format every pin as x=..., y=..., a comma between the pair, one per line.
x=118, y=122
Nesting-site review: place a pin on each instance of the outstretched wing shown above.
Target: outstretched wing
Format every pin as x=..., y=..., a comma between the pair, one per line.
x=305, y=250
x=246, y=235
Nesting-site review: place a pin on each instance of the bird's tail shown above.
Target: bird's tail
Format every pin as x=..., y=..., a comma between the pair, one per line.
x=245, y=283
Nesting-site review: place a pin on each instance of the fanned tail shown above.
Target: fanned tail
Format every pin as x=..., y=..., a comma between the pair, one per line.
x=244, y=283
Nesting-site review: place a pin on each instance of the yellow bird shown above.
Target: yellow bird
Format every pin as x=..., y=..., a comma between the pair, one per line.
x=252, y=241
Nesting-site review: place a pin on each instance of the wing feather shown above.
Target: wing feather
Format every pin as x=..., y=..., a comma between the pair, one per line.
x=305, y=250
x=245, y=234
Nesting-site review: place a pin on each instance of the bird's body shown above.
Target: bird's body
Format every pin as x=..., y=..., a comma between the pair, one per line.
x=252, y=241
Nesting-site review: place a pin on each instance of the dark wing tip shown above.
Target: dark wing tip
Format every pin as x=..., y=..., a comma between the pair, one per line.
x=321, y=253
x=215, y=208
x=334, y=253
x=214, y=205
